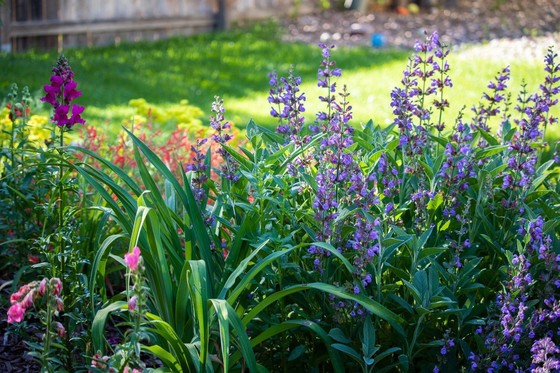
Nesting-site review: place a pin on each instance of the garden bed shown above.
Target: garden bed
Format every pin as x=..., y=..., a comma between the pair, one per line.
x=471, y=22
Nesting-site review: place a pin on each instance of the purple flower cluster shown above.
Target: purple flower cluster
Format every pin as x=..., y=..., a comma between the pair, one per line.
x=199, y=168
x=336, y=165
x=60, y=94
x=366, y=245
x=523, y=157
x=491, y=106
x=425, y=76
x=325, y=74
x=285, y=94
x=550, y=88
x=388, y=178
x=457, y=168
x=219, y=125
x=524, y=337
x=546, y=356
x=448, y=344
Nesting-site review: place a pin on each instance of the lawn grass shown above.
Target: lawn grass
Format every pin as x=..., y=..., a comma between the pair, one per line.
x=234, y=65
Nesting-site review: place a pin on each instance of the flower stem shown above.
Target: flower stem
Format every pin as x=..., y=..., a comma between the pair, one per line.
x=61, y=206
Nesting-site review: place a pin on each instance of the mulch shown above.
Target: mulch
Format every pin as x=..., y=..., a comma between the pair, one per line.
x=13, y=357
x=471, y=21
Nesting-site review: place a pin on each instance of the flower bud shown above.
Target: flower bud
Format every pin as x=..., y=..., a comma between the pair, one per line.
x=60, y=329
x=132, y=303
x=59, y=305
x=43, y=287
x=57, y=286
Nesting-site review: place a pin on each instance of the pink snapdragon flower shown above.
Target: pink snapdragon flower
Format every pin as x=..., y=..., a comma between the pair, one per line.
x=132, y=259
x=20, y=294
x=16, y=313
x=27, y=294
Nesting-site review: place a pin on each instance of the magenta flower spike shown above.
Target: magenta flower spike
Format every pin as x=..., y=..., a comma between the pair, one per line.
x=60, y=93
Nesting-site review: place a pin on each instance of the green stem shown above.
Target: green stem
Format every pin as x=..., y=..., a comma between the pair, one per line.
x=61, y=251
x=61, y=208
x=410, y=351
x=47, y=337
x=12, y=142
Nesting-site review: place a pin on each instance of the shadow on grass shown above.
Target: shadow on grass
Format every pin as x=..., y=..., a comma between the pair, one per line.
x=233, y=64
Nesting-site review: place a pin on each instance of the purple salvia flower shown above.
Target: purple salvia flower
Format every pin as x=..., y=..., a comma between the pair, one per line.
x=285, y=94
x=545, y=355
x=199, y=168
x=220, y=125
x=531, y=126
x=491, y=107
x=550, y=88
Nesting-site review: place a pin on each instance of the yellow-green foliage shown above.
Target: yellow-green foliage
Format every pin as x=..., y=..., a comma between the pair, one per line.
x=34, y=134
x=183, y=115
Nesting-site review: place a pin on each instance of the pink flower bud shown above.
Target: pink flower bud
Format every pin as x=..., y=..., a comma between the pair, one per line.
x=132, y=259
x=14, y=298
x=29, y=299
x=59, y=305
x=98, y=361
x=43, y=287
x=132, y=303
x=57, y=286
x=60, y=329
x=128, y=370
x=17, y=296
x=16, y=313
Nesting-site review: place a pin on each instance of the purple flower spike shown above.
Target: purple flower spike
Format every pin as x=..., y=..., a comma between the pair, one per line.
x=60, y=94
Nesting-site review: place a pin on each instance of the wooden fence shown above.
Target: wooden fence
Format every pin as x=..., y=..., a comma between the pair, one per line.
x=47, y=24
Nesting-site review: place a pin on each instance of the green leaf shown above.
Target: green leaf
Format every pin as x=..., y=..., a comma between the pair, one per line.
x=223, y=321
x=369, y=304
x=431, y=251
x=348, y=351
x=488, y=137
x=239, y=328
x=97, y=273
x=368, y=339
x=197, y=281
x=98, y=325
x=230, y=282
x=296, y=352
x=338, y=335
x=435, y=202
x=165, y=356
x=274, y=330
x=243, y=162
x=186, y=354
